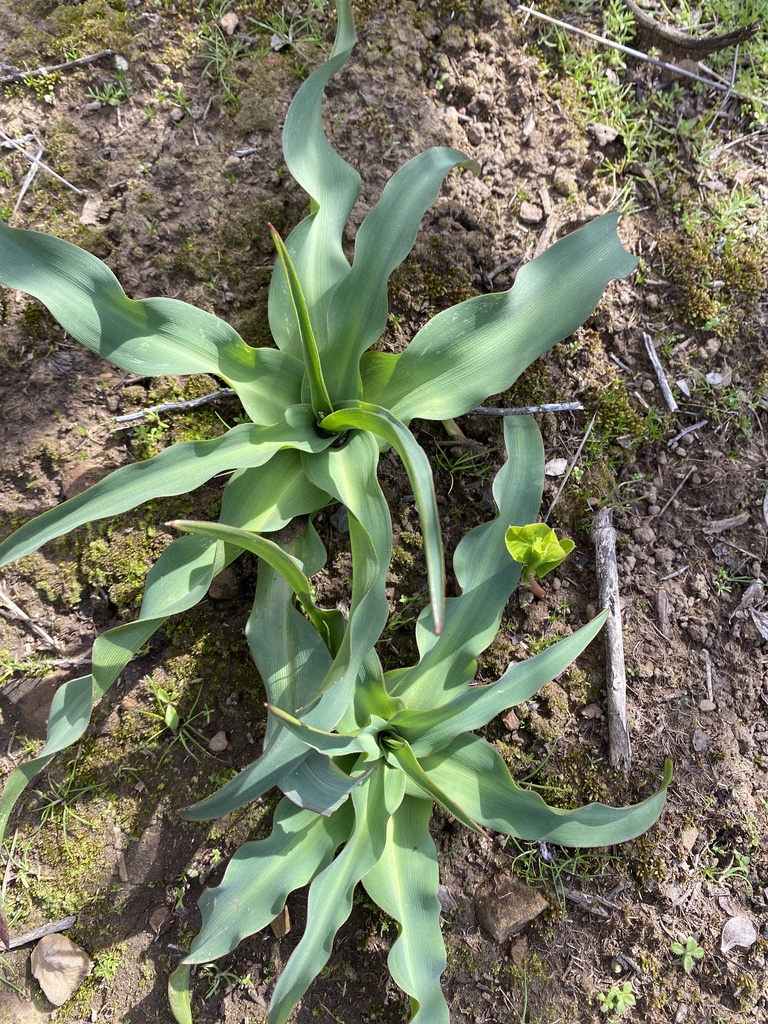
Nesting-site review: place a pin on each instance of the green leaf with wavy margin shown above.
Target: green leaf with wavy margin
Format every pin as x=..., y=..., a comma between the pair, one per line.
x=429, y=730
x=146, y=336
x=486, y=574
x=262, y=874
x=331, y=891
x=404, y=884
x=476, y=774
x=176, y=470
x=480, y=347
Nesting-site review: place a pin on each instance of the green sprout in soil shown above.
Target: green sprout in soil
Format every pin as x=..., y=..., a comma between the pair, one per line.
x=617, y=1000
x=689, y=952
x=539, y=549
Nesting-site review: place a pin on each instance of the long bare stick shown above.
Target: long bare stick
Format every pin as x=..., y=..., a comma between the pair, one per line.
x=650, y=348
x=640, y=55
x=17, y=75
x=190, y=403
x=528, y=410
x=604, y=536
x=39, y=163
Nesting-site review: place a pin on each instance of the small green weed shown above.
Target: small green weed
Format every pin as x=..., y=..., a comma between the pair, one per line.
x=184, y=730
x=617, y=1000
x=689, y=952
x=112, y=94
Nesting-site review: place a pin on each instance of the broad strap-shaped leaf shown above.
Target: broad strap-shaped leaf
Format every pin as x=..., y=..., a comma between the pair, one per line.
x=334, y=744
x=148, y=336
x=178, y=580
x=429, y=730
x=404, y=884
x=318, y=784
x=360, y=416
x=331, y=891
x=178, y=994
x=479, y=778
x=370, y=697
x=268, y=497
x=480, y=347
x=358, y=312
x=349, y=475
x=176, y=470
x=315, y=245
x=401, y=755
x=486, y=575
x=262, y=874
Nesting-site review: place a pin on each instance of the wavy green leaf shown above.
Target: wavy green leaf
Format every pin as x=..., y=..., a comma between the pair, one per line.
x=404, y=884
x=262, y=874
x=358, y=416
x=480, y=347
x=149, y=336
x=176, y=470
x=315, y=245
x=429, y=730
x=486, y=575
x=331, y=891
x=358, y=310
x=476, y=773
x=401, y=755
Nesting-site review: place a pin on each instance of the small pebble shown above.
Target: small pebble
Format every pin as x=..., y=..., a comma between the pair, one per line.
x=707, y=705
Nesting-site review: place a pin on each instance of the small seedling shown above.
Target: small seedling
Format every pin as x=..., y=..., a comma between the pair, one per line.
x=617, y=1000
x=689, y=953
x=539, y=549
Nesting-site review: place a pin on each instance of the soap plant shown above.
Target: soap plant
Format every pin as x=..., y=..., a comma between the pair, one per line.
x=360, y=755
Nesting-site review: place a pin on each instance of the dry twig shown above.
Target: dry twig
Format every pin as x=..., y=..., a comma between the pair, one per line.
x=664, y=65
x=12, y=611
x=650, y=348
x=604, y=536
x=17, y=75
x=680, y=44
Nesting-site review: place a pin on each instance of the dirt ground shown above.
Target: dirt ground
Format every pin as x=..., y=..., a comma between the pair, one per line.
x=177, y=179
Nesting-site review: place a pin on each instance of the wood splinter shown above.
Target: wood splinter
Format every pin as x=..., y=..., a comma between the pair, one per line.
x=604, y=537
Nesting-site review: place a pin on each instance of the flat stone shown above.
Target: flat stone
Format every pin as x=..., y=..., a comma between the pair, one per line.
x=60, y=967
x=530, y=213
x=507, y=908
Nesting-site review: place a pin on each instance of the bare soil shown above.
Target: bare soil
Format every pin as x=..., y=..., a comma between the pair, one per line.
x=177, y=184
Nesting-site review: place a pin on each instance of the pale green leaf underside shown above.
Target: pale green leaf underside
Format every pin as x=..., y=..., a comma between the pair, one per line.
x=262, y=874
x=331, y=891
x=429, y=730
x=176, y=470
x=404, y=884
x=486, y=574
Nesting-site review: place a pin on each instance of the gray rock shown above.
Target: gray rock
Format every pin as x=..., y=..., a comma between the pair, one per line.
x=60, y=967
x=530, y=213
